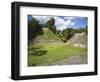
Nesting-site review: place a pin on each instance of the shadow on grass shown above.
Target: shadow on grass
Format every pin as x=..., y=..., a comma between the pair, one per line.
x=39, y=52
x=34, y=48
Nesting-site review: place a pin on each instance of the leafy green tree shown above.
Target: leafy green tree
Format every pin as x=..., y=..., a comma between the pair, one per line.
x=82, y=30
x=50, y=23
x=68, y=33
x=33, y=28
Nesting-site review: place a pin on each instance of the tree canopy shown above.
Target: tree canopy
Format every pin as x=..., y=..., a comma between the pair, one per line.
x=33, y=28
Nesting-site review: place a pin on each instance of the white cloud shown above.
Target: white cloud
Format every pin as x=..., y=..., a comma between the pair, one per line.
x=69, y=18
x=73, y=18
x=60, y=23
x=42, y=19
x=73, y=23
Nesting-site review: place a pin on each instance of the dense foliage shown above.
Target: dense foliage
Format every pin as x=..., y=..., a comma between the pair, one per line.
x=34, y=28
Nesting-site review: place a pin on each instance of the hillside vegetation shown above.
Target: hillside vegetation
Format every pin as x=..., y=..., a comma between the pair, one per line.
x=47, y=37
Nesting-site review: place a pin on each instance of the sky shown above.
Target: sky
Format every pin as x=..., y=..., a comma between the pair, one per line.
x=63, y=22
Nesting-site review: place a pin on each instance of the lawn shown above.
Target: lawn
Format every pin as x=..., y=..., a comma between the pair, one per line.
x=49, y=53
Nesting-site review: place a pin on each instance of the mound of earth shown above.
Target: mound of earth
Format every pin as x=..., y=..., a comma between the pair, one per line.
x=47, y=37
x=78, y=39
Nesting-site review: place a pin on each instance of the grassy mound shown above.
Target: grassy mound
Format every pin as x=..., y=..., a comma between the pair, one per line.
x=47, y=37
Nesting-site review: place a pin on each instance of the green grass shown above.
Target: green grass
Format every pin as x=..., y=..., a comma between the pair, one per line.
x=49, y=53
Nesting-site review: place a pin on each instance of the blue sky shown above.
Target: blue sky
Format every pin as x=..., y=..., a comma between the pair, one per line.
x=80, y=22
x=29, y=17
x=63, y=22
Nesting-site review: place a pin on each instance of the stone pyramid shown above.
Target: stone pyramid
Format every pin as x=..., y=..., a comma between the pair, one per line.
x=47, y=37
x=78, y=39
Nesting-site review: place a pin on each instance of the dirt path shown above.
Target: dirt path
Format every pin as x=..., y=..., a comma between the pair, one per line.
x=80, y=59
x=73, y=60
